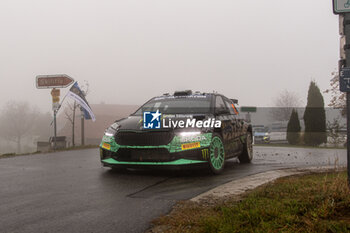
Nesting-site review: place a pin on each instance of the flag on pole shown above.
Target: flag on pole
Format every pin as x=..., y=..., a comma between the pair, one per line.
x=76, y=94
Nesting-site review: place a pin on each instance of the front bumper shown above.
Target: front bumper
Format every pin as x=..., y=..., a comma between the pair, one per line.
x=153, y=157
x=111, y=162
x=176, y=153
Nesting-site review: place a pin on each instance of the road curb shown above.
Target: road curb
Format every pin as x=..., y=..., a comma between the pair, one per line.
x=240, y=186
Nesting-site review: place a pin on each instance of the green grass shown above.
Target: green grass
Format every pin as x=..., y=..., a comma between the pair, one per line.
x=299, y=146
x=310, y=203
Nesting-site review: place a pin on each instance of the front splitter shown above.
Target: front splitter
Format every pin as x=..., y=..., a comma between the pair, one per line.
x=178, y=162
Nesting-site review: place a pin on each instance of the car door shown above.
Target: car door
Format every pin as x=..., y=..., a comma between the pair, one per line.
x=237, y=124
x=228, y=123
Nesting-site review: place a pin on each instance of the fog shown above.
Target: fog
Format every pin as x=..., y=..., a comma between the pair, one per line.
x=130, y=51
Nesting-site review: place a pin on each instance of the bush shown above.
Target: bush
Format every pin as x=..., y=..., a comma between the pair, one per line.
x=293, y=128
x=315, y=117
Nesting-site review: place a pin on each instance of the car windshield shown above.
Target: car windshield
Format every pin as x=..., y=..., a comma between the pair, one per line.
x=177, y=105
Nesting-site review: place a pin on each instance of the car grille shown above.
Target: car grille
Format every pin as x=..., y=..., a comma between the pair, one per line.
x=144, y=155
x=106, y=154
x=155, y=138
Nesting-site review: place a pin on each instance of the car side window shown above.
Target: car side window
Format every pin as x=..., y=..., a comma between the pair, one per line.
x=229, y=106
x=219, y=105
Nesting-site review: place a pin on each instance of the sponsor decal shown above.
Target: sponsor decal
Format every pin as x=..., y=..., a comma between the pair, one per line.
x=177, y=97
x=193, y=123
x=191, y=145
x=106, y=146
x=205, y=154
x=192, y=138
x=152, y=120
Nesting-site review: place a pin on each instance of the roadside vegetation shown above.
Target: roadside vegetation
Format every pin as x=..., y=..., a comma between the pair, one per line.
x=309, y=203
x=39, y=152
x=315, y=117
x=293, y=128
x=301, y=146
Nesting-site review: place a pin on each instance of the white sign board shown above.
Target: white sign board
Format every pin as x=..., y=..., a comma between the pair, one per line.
x=341, y=6
x=55, y=106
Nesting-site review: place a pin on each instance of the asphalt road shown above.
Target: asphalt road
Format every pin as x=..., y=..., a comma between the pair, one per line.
x=70, y=191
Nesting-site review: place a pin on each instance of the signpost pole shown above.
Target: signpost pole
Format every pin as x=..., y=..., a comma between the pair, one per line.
x=54, y=81
x=348, y=134
x=347, y=64
x=342, y=8
x=55, y=106
x=82, y=131
x=55, y=130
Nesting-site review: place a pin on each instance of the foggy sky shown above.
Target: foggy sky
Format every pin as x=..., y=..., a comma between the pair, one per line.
x=130, y=51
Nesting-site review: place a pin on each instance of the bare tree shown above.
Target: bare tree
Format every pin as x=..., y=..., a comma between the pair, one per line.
x=338, y=99
x=334, y=131
x=284, y=104
x=70, y=113
x=70, y=116
x=17, y=120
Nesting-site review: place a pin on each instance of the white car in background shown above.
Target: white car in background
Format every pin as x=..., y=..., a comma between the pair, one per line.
x=278, y=132
x=261, y=134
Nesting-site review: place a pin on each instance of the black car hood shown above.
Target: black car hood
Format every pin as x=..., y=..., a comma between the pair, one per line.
x=136, y=122
x=131, y=123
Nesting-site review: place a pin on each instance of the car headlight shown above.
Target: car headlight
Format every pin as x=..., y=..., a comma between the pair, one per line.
x=112, y=130
x=109, y=134
x=115, y=126
x=189, y=134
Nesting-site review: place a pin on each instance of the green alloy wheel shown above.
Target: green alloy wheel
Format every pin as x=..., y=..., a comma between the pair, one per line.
x=216, y=155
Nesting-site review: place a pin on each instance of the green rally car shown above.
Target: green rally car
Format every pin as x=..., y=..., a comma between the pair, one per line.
x=196, y=129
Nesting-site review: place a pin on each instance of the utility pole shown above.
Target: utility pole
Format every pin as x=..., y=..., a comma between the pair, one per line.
x=82, y=129
x=347, y=65
x=342, y=8
x=55, y=106
x=55, y=129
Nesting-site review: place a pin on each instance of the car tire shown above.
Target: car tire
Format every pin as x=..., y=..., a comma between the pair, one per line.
x=216, y=154
x=247, y=153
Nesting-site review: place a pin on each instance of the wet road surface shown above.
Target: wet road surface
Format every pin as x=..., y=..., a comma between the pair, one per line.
x=70, y=191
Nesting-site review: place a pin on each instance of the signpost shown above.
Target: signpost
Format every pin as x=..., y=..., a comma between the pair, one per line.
x=54, y=81
x=342, y=7
x=55, y=99
x=248, y=110
x=344, y=80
